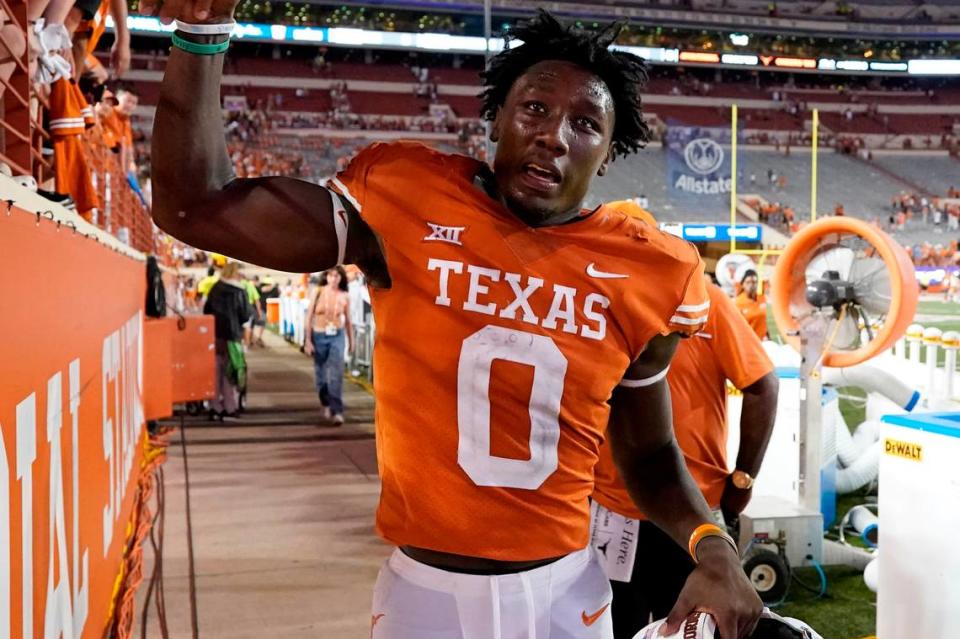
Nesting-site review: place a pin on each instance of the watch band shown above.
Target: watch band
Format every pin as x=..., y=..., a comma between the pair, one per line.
x=742, y=479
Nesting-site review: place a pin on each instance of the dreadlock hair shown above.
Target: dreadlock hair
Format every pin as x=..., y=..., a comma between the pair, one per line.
x=544, y=38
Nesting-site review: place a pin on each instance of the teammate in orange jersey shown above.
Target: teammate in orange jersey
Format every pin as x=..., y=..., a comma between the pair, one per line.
x=633, y=548
x=631, y=208
x=517, y=312
x=752, y=304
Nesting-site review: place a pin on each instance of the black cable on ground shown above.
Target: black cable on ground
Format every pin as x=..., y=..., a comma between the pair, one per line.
x=156, y=576
x=144, y=616
x=194, y=624
x=161, y=523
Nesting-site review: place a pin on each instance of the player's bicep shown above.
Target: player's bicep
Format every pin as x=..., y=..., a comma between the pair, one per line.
x=652, y=364
x=641, y=421
x=277, y=222
x=641, y=417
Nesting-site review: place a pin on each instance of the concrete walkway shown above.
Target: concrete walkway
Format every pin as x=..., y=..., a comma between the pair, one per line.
x=281, y=515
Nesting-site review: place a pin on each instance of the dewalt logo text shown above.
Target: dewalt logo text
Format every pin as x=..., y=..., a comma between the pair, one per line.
x=906, y=450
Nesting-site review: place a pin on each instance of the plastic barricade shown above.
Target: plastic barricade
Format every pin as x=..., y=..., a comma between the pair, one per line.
x=72, y=434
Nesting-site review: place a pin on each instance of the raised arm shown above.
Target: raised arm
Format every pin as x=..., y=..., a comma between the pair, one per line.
x=120, y=51
x=278, y=222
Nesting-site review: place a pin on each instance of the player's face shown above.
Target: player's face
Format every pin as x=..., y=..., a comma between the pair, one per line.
x=750, y=285
x=333, y=278
x=553, y=135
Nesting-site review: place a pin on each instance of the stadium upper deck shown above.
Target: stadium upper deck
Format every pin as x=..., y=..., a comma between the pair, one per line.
x=386, y=83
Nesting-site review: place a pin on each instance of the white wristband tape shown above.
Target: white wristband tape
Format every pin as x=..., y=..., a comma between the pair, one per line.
x=646, y=381
x=341, y=221
x=219, y=28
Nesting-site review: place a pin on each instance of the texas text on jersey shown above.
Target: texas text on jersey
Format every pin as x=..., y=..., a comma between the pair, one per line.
x=498, y=346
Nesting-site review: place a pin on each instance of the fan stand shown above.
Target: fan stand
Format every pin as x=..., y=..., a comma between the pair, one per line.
x=813, y=335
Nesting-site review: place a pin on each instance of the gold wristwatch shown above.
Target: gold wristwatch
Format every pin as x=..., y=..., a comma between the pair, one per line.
x=741, y=480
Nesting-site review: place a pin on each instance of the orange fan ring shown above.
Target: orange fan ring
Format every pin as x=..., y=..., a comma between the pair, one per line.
x=790, y=273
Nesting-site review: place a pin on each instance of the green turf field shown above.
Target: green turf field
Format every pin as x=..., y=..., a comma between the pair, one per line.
x=943, y=315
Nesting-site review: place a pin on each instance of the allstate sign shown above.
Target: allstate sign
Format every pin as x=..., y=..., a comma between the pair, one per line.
x=703, y=155
x=697, y=163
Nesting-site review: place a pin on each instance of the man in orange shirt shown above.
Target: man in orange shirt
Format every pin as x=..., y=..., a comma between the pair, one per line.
x=634, y=548
x=633, y=209
x=116, y=123
x=752, y=304
x=507, y=315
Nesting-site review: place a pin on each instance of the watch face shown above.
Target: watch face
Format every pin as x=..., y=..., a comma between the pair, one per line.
x=742, y=480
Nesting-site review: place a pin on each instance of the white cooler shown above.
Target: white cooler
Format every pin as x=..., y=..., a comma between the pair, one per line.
x=919, y=565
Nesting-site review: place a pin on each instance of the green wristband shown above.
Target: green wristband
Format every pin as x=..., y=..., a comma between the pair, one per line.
x=200, y=49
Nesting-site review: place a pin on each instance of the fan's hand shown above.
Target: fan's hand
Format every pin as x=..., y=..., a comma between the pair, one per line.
x=211, y=11
x=718, y=586
x=120, y=56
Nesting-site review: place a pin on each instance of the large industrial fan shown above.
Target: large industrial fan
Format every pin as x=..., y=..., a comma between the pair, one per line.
x=842, y=292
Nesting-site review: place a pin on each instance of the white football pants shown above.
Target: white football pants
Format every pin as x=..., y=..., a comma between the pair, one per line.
x=568, y=599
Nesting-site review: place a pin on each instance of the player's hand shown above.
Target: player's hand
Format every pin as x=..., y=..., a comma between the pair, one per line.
x=308, y=347
x=719, y=587
x=733, y=501
x=189, y=10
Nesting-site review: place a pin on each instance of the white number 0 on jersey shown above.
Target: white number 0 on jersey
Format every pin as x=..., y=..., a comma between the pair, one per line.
x=473, y=406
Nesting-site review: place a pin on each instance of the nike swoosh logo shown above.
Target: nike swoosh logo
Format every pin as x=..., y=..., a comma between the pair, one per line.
x=592, y=271
x=589, y=620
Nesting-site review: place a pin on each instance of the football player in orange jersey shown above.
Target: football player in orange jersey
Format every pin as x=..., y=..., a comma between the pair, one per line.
x=517, y=312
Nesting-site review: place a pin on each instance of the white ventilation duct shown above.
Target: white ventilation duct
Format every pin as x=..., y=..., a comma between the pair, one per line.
x=871, y=574
x=859, y=454
x=873, y=380
x=836, y=554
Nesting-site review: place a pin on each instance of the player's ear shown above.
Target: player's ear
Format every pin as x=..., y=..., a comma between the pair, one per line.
x=495, y=127
x=606, y=161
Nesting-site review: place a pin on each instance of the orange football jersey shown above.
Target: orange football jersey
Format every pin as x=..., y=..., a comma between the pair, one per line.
x=755, y=312
x=95, y=26
x=498, y=346
x=726, y=348
x=69, y=119
x=633, y=209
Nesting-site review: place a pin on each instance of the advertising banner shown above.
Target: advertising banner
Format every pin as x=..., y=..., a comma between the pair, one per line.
x=698, y=159
x=746, y=233
x=71, y=424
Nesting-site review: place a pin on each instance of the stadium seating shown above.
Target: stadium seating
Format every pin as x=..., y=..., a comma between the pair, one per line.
x=387, y=88
x=864, y=191
x=933, y=174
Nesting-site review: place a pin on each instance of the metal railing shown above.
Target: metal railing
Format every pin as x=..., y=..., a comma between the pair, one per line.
x=22, y=138
x=22, y=134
